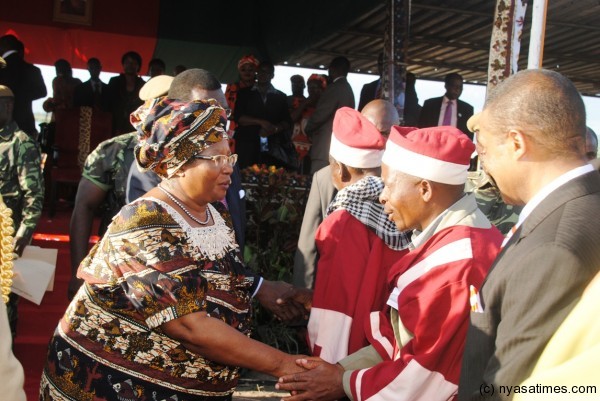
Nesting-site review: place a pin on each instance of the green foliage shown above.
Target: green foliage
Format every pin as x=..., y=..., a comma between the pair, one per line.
x=275, y=205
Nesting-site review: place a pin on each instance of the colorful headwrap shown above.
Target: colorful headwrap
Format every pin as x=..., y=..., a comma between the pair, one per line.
x=320, y=78
x=170, y=132
x=248, y=59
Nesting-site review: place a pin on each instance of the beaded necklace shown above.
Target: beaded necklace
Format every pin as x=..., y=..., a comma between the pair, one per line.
x=205, y=222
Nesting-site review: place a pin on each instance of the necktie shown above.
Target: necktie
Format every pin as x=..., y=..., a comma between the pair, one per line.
x=448, y=114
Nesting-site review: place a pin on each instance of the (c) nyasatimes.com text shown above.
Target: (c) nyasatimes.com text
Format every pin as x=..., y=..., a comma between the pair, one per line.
x=490, y=389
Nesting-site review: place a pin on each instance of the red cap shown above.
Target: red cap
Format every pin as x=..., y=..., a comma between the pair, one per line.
x=440, y=154
x=355, y=141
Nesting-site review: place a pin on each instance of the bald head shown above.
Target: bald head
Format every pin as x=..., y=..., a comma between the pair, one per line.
x=544, y=105
x=382, y=114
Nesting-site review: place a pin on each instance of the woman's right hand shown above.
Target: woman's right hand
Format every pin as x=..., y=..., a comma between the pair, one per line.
x=215, y=340
x=290, y=365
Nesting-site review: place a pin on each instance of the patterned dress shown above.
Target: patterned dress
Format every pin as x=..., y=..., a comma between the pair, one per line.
x=151, y=267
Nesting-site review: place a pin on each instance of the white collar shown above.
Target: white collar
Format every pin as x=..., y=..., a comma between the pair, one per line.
x=551, y=187
x=456, y=213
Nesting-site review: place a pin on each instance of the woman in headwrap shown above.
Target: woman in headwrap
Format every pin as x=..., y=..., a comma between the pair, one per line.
x=247, y=67
x=165, y=311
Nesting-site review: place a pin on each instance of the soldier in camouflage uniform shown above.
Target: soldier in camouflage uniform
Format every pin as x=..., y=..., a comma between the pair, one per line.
x=490, y=202
x=21, y=183
x=103, y=183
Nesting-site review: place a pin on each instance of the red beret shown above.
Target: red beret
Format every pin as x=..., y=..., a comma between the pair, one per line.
x=355, y=141
x=440, y=154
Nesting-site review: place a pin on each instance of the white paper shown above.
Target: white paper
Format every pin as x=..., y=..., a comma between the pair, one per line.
x=34, y=272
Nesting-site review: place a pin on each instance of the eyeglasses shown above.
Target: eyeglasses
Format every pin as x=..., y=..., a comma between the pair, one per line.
x=220, y=160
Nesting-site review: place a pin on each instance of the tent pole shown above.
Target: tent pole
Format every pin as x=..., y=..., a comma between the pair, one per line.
x=538, y=30
x=395, y=46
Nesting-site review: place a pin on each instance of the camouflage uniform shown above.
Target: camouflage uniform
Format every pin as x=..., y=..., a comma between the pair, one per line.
x=22, y=187
x=108, y=167
x=490, y=202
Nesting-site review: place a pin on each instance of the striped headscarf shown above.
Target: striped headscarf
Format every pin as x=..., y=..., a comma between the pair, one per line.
x=170, y=132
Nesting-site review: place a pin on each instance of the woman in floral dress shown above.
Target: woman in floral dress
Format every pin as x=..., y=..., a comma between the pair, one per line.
x=165, y=311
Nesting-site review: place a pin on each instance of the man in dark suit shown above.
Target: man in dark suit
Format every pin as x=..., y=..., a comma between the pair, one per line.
x=531, y=141
x=24, y=79
x=338, y=94
x=447, y=110
x=372, y=90
x=369, y=91
x=93, y=92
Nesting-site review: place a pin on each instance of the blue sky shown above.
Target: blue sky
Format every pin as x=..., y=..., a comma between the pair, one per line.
x=472, y=94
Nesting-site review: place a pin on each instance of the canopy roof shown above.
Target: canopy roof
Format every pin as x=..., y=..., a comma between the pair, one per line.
x=445, y=35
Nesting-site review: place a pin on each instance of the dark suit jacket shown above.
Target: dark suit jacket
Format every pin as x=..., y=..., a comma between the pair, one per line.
x=247, y=137
x=320, y=124
x=27, y=83
x=320, y=196
x=84, y=96
x=236, y=203
x=411, y=101
x=535, y=281
x=123, y=103
x=368, y=93
x=430, y=114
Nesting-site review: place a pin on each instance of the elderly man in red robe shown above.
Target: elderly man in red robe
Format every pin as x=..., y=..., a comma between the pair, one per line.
x=357, y=243
x=417, y=340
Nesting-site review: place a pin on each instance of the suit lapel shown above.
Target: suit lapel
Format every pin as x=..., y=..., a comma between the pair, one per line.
x=580, y=186
x=576, y=188
x=516, y=237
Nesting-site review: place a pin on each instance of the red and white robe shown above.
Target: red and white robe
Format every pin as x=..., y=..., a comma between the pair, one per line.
x=351, y=283
x=417, y=341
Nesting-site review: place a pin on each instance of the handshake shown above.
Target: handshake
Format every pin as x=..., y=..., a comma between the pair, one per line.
x=306, y=378
x=313, y=379
x=288, y=303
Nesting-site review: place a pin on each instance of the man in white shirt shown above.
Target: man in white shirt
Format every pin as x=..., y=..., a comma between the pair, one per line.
x=531, y=141
x=447, y=110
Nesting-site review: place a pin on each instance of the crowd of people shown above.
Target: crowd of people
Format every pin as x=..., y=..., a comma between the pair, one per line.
x=417, y=275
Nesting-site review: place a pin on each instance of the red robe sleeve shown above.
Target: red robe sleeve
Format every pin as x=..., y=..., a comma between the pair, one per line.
x=430, y=308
